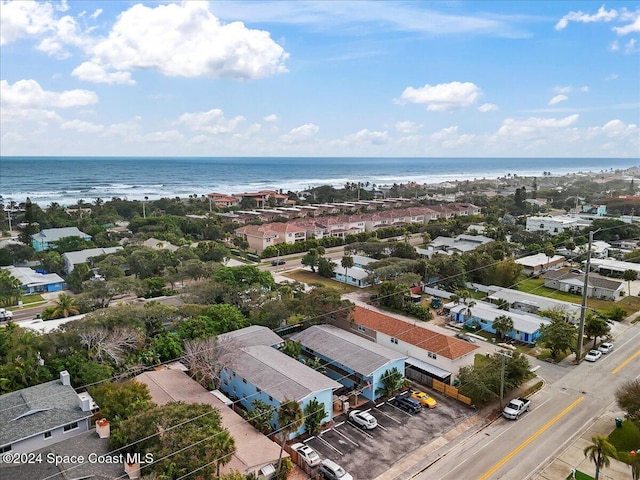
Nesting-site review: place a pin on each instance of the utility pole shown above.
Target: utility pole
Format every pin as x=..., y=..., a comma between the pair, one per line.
x=504, y=355
x=583, y=308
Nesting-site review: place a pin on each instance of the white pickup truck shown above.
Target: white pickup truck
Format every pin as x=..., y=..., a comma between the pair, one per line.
x=5, y=314
x=515, y=408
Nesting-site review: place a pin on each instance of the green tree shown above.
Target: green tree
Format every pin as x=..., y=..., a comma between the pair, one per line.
x=65, y=306
x=191, y=438
x=347, y=263
x=316, y=364
x=391, y=381
x=549, y=252
x=596, y=326
x=10, y=291
x=292, y=348
x=391, y=294
x=502, y=304
x=628, y=399
x=503, y=324
x=629, y=276
x=600, y=452
x=311, y=259
x=314, y=414
x=326, y=267
x=559, y=336
x=261, y=415
x=26, y=236
x=119, y=401
x=51, y=261
x=290, y=419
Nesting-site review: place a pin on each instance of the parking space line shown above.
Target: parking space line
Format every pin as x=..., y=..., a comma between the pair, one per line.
x=382, y=427
x=399, y=409
x=345, y=437
x=389, y=416
x=330, y=446
x=361, y=430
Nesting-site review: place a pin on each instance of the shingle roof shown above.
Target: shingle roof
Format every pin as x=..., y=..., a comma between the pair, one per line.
x=55, y=234
x=436, y=342
x=31, y=278
x=81, y=256
x=352, y=351
x=578, y=278
x=38, y=409
x=277, y=374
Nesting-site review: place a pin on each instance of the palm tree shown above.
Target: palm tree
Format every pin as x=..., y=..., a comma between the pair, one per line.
x=600, y=452
x=290, y=419
x=629, y=275
x=502, y=325
x=347, y=263
x=65, y=306
x=224, y=448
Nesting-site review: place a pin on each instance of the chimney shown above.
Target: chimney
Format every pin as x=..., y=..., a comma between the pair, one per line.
x=65, y=378
x=85, y=404
x=132, y=469
x=103, y=429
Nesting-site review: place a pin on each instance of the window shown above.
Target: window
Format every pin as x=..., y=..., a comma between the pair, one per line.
x=71, y=426
x=361, y=328
x=270, y=398
x=394, y=341
x=258, y=390
x=47, y=434
x=432, y=355
x=5, y=449
x=244, y=380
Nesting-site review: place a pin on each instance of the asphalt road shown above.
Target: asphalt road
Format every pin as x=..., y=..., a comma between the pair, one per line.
x=569, y=403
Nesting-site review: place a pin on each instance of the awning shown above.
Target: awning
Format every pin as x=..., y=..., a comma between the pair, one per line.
x=427, y=367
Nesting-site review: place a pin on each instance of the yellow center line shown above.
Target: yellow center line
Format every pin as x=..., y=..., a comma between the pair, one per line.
x=624, y=364
x=530, y=439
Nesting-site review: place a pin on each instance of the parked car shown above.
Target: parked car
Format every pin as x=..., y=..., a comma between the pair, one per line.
x=606, y=348
x=465, y=337
x=424, y=398
x=516, y=407
x=593, y=355
x=330, y=470
x=277, y=262
x=363, y=419
x=308, y=454
x=406, y=403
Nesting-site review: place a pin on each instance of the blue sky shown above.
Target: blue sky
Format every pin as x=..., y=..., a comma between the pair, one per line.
x=554, y=79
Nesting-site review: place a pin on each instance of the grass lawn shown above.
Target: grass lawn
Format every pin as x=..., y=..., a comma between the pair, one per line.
x=28, y=299
x=626, y=438
x=580, y=476
x=308, y=277
x=536, y=286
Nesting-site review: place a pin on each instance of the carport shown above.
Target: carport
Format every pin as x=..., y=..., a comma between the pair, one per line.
x=424, y=373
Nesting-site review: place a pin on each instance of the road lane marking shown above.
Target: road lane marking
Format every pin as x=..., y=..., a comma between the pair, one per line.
x=530, y=439
x=625, y=363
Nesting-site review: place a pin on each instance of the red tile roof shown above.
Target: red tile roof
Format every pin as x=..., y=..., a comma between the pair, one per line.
x=449, y=347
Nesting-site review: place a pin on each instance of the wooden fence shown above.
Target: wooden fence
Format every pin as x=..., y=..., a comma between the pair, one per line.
x=450, y=391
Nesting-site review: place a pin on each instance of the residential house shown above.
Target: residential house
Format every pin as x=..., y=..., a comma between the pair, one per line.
x=46, y=239
x=613, y=268
x=526, y=326
x=357, y=274
x=156, y=244
x=461, y=244
x=42, y=415
x=254, y=369
x=555, y=224
x=538, y=263
x=597, y=286
x=530, y=303
x=222, y=200
x=71, y=259
x=255, y=454
x=353, y=361
x=35, y=282
x=430, y=353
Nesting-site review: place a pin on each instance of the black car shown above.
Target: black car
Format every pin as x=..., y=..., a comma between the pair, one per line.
x=277, y=262
x=406, y=403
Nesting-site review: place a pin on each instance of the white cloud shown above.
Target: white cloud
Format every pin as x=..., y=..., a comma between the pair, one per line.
x=91, y=72
x=487, y=107
x=187, y=40
x=29, y=94
x=168, y=137
x=271, y=118
x=23, y=19
x=407, y=126
x=534, y=125
x=615, y=129
x=96, y=14
x=613, y=76
x=566, y=89
x=584, y=88
x=449, y=137
x=615, y=46
x=443, y=97
x=82, y=126
x=558, y=99
x=368, y=136
x=303, y=133
x=630, y=46
x=602, y=15
x=212, y=121
x=630, y=28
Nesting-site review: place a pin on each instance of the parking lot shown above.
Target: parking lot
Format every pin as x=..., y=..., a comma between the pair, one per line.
x=365, y=454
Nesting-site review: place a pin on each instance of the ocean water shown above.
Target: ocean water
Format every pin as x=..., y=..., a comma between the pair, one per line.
x=67, y=179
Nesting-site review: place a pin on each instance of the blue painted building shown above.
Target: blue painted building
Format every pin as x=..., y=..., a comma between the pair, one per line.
x=256, y=370
x=46, y=239
x=353, y=361
x=526, y=326
x=34, y=282
x=356, y=275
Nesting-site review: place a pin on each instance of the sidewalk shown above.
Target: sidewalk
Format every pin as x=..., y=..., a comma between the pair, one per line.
x=573, y=455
